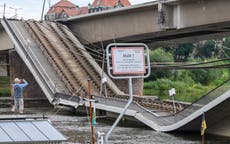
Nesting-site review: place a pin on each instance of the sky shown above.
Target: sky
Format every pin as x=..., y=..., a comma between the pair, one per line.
x=32, y=9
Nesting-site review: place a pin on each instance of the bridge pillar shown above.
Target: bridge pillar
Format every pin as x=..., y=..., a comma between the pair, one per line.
x=4, y=60
x=20, y=70
x=165, y=15
x=137, y=86
x=123, y=84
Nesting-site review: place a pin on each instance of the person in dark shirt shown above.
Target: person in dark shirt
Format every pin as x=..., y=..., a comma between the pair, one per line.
x=18, y=88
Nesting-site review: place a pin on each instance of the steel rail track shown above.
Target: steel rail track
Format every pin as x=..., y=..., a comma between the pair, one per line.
x=67, y=56
x=53, y=54
x=81, y=61
x=79, y=53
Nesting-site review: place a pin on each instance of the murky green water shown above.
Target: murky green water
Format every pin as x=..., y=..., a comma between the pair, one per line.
x=77, y=130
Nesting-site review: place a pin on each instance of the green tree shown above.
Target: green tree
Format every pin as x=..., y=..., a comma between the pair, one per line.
x=182, y=52
x=206, y=77
x=226, y=47
x=206, y=49
x=159, y=55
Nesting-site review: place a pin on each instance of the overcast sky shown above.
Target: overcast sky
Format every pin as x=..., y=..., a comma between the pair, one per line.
x=31, y=9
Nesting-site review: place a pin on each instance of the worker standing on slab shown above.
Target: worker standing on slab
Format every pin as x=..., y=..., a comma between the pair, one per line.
x=18, y=87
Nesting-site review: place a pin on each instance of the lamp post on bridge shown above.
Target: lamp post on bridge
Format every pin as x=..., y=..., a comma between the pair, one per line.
x=14, y=8
x=15, y=12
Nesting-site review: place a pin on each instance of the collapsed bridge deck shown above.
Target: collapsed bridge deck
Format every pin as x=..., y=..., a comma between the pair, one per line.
x=62, y=66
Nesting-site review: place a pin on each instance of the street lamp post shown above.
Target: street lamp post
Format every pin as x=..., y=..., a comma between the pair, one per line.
x=43, y=8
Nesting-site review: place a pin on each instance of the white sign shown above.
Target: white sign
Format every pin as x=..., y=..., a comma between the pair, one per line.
x=129, y=60
x=172, y=92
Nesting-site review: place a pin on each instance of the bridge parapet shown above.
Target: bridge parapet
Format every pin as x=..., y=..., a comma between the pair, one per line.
x=163, y=22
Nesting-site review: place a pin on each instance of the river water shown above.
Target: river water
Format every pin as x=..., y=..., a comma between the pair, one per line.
x=76, y=128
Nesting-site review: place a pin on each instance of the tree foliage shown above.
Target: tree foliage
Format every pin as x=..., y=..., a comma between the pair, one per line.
x=159, y=55
x=190, y=84
x=205, y=49
x=226, y=48
x=182, y=52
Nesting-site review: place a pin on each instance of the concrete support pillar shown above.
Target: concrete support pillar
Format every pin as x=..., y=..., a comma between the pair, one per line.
x=165, y=15
x=123, y=84
x=137, y=86
x=4, y=67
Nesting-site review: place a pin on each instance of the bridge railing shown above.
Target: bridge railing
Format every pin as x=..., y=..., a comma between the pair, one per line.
x=204, y=100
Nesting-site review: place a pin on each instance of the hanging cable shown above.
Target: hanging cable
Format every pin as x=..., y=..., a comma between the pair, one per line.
x=191, y=67
x=225, y=47
x=47, y=28
x=191, y=64
x=102, y=73
x=101, y=58
x=60, y=108
x=225, y=52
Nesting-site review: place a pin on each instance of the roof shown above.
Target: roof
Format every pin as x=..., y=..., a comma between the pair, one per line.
x=64, y=5
x=82, y=10
x=29, y=131
x=71, y=9
x=110, y=2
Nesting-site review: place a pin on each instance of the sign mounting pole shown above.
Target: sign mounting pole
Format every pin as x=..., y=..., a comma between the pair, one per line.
x=129, y=60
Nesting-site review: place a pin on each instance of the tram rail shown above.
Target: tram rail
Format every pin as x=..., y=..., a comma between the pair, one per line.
x=62, y=67
x=74, y=65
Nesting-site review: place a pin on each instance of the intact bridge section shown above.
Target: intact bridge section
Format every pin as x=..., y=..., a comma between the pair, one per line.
x=61, y=66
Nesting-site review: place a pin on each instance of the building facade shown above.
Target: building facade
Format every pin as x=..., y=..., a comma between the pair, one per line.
x=100, y=5
x=65, y=9
x=60, y=10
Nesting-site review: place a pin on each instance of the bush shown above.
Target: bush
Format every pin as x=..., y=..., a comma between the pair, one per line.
x=5, y=92
x=184, y=91
x=159, y=55
x=5, y=86
x=207, y=77
x=182, y=51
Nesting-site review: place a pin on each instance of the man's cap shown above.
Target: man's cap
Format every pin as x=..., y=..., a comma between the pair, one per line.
x=17, y=80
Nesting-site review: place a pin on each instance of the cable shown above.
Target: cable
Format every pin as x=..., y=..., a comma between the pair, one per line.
x=199, y=63
x=170, y=66
x=47, y=28
x=99, y=60
x=68, y=99
x=225, y=52
x=225, y=47
x=191, y=67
